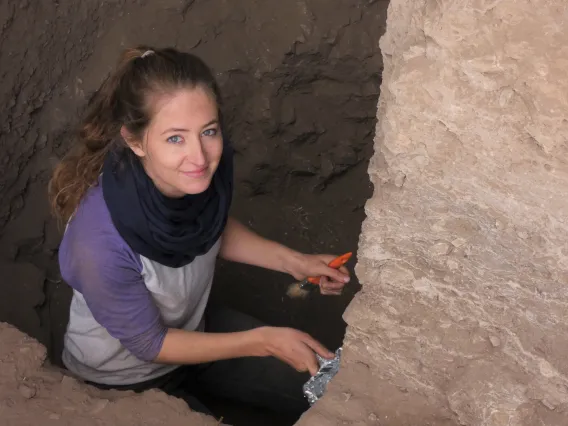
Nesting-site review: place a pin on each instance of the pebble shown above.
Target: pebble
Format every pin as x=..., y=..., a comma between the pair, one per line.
x=452, y=265
x=27, y=391
x=548, y=404
x=440, y=249
x=523, y=235
x=495, y=341
x=99, y=406
x=67, y=382
x=399, y=180
x=458, y=242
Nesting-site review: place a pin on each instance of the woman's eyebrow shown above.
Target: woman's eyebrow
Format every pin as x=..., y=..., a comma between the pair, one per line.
x=214, y=121
x=175, y=129
x=180, y=129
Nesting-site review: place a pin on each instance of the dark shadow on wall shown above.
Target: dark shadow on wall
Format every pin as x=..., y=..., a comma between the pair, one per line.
x=306, y=184
x=301, y=85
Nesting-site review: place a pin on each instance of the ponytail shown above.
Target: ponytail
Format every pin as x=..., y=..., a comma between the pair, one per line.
x=98, y=132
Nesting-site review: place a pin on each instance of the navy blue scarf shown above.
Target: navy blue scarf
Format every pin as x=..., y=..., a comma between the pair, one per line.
x=170, y=231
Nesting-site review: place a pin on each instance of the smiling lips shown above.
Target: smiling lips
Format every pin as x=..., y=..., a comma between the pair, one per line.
x=196, y=173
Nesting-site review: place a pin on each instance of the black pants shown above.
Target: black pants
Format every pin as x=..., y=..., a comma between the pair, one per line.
x=261, y=382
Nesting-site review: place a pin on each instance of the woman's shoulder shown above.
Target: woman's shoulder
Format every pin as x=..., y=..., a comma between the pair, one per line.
x=91, y=215
x=90, y=236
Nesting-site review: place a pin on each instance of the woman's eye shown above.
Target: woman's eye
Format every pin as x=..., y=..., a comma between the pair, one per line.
x=175, y=139
x=210, y=132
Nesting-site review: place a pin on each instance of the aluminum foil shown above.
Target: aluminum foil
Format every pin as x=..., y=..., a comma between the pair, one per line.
x=316, y=386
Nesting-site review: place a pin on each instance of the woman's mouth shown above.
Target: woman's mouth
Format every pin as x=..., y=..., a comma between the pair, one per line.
x=196, y=173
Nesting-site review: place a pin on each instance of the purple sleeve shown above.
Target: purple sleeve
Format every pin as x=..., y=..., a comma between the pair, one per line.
x=108, y=275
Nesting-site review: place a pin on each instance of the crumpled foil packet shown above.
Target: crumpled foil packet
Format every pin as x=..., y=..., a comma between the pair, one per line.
x=316, y=386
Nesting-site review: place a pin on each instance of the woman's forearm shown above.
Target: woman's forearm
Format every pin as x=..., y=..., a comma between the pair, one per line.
x=293, y=347
x=240, y=244
x=191, y=347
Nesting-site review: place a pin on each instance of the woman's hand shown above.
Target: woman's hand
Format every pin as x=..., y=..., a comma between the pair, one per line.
x=293, y=347
x=332, y=280
x=240, y=244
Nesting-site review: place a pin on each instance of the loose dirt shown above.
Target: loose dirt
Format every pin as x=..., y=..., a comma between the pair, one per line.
x=301, y=82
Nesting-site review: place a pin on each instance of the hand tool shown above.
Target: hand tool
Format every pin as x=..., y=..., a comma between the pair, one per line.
x=304, y=287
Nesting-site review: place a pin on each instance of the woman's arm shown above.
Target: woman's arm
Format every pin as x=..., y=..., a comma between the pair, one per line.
x=291, y=346
x=193, y=347
x=240, y=244
x=118, y=299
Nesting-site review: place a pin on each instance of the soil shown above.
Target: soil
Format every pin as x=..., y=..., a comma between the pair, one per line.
x=301, y=82
x=31, y=394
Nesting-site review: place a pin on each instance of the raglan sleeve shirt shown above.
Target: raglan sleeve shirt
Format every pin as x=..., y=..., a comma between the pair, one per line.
x=109, y=277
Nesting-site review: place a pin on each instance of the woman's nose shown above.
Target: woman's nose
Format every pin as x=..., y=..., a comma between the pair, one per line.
x=195, y=152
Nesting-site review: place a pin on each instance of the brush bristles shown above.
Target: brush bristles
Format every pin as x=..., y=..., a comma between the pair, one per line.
x=297, y=292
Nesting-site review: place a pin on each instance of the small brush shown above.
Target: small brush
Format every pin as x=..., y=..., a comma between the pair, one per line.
x=302, y=289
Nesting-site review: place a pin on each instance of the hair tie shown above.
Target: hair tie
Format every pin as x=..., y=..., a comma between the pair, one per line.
x=146, y=53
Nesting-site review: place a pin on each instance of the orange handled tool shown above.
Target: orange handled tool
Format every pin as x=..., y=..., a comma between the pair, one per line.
x=301, y=289
x=336, y=263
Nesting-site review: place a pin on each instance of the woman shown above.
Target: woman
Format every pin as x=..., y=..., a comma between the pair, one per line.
x=146, y=200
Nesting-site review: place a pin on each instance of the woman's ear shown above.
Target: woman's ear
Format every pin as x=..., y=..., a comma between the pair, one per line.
x=132, y=143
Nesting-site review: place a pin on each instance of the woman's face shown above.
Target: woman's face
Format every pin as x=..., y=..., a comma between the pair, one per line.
x=182, y=146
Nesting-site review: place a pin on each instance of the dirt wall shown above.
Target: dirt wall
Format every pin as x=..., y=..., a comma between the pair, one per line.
x=463, y=258
x=300, y=81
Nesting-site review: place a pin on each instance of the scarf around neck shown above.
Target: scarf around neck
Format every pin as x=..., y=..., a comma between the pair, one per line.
x=170, y=231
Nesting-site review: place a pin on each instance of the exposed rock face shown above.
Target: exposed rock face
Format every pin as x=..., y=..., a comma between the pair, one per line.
x=463, y=316
x=33, y=395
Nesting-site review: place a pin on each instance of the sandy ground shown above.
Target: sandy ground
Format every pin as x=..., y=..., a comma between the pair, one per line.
x=301, y=81
x=32, y=394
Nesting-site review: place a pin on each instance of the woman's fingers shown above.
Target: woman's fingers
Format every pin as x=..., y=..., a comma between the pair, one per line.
x=331, y=285
x=331, y=292
x=330, y=288
x=296, y=348
x=340, y=275
x=323, y=269
x=309, y=348
x=313, y=366
x=317, y=347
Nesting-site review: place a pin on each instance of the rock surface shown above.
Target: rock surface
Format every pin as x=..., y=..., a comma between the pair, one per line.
x=31, y=394
x=463, y=316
